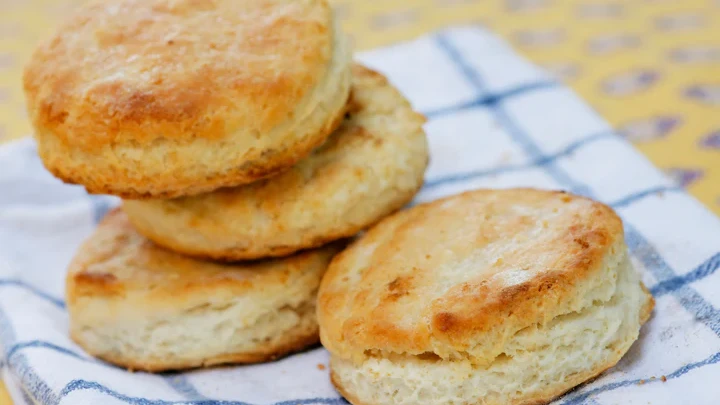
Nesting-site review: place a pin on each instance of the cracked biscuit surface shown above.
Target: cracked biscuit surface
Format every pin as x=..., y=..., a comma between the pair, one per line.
x=372, y=165
x=488, y=297
x=137, y=305
x=166, y=98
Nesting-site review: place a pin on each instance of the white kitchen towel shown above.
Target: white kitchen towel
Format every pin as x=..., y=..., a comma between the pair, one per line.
x=495, y=120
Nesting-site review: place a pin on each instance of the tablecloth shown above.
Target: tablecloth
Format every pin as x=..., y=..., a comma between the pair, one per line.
x=495, y=120
x=650, y=67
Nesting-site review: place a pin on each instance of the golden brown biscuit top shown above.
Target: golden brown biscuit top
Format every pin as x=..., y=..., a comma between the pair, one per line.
x=321, y=190
x=436, y=278
x=177, y=69
x=117, y=262
x=373, y=103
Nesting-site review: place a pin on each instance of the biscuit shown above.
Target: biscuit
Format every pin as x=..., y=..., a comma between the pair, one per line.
x=137, y=305
x=371, y=166
x=167, y=98
x=491, y=296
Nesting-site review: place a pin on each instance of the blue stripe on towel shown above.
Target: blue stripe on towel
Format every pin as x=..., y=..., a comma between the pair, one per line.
x=32, y=383
x=37, y=292
x=668, y=280
x=78, y=385
x=691, y=300
x=539, y=162
x=585, y=396
x=707, y=268
x=491, y=99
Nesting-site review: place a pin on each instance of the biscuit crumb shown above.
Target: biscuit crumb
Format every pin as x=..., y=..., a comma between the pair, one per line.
x=663, y=378
x=641, y=382
x=320, y=366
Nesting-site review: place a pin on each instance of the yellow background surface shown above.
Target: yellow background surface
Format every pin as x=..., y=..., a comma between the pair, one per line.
x=650, y=67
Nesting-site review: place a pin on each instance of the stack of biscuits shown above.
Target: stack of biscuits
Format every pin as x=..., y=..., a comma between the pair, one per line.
x=248, y=148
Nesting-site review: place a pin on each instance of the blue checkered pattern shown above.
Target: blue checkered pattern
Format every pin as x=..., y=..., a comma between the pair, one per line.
x=495, y=121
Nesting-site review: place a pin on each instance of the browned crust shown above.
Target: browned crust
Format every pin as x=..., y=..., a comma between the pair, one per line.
x=117, y=259
x=269, y=251
x=341, y=389
x=467, y=309
x=295, y=341
x=108, y=75
x=647, y=309
x=237, y=254
x=544, y=397
x=540, y=399
x=120, y=268
x=269, y=164
x=347, y=185
x=152, y=75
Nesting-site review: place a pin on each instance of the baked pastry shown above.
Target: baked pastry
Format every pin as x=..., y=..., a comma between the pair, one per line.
x=166, y=98
x=371, y=166
x=142, y=307
x=487, y=297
